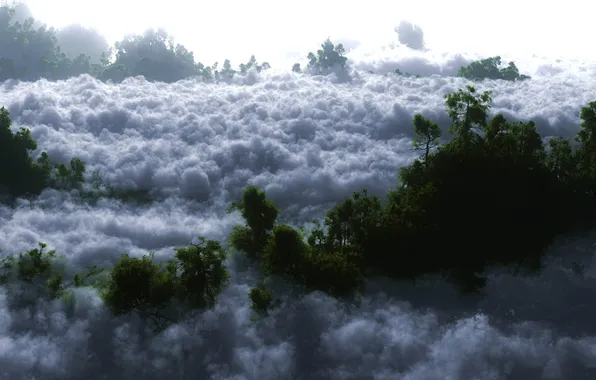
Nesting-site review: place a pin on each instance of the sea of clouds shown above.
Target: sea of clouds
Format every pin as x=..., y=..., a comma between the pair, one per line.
x=309, y=142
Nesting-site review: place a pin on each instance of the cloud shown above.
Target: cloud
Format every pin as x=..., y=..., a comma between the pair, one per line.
x=309, y=142
x=410, y=35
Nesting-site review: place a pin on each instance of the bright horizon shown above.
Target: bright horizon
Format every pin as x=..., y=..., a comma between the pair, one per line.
x=273, y=31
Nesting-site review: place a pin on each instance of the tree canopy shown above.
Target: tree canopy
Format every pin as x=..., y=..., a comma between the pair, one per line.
x=490, y=68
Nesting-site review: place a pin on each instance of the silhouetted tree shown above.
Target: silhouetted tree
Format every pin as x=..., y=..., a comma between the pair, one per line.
x=427, y=135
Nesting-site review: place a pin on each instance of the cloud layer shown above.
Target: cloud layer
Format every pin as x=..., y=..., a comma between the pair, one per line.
x=309, y=142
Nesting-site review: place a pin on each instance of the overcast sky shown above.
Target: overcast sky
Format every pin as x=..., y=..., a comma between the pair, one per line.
x=219, y=30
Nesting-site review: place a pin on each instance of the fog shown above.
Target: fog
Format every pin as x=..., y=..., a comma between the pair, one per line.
x=308, y=142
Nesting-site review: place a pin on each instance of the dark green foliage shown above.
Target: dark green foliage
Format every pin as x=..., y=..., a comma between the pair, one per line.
x=260, y=215
x=427, y=135
x=160, y=294
x=193, y=279
x=6, y=264
x=201, y=273
x=480, y=200
x=261, y=300
x=285, y=253
x=40, y=267
x=468, y=205
x=324, y=263
x=289, y=256
x=66, y=178
x=20, y=175
x=468, y=111
x=35, y=263
x=333, y=273
x=36, y=268
x=353, y=229
x=489, y=69
x=138, y=284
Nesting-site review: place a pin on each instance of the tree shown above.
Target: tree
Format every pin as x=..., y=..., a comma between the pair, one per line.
x=285, y=253
x=244, y=67
x=200, y=273
x=192, y=279
x=489, y=69
x=328, y=56
x=260, y=215
x=19, y=173
x=41, y=269
x=427, y=135
x=261, y=300
x=468, y=110
x=587, y=139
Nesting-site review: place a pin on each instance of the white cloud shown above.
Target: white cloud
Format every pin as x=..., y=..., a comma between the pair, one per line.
x=309, y=142
x=410, y=35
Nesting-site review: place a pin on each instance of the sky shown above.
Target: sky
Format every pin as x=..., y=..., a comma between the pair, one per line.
x=214, y=30
x=309, y=142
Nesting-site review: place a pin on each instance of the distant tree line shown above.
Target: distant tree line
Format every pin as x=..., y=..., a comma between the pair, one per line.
x=494, y=195
x=30, y=52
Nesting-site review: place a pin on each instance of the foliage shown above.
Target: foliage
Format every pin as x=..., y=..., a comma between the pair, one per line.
x=244, y=67
x=192, y=279
x=260, y=215
x=160, y=294
x=285, y=253
x=327, y=57
x=489, y=69
x=427, y=135
x=200, y=273
x=261, y=300
x=20, y=175
x=474, y=202
x=42, y=268
x=468, y=111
